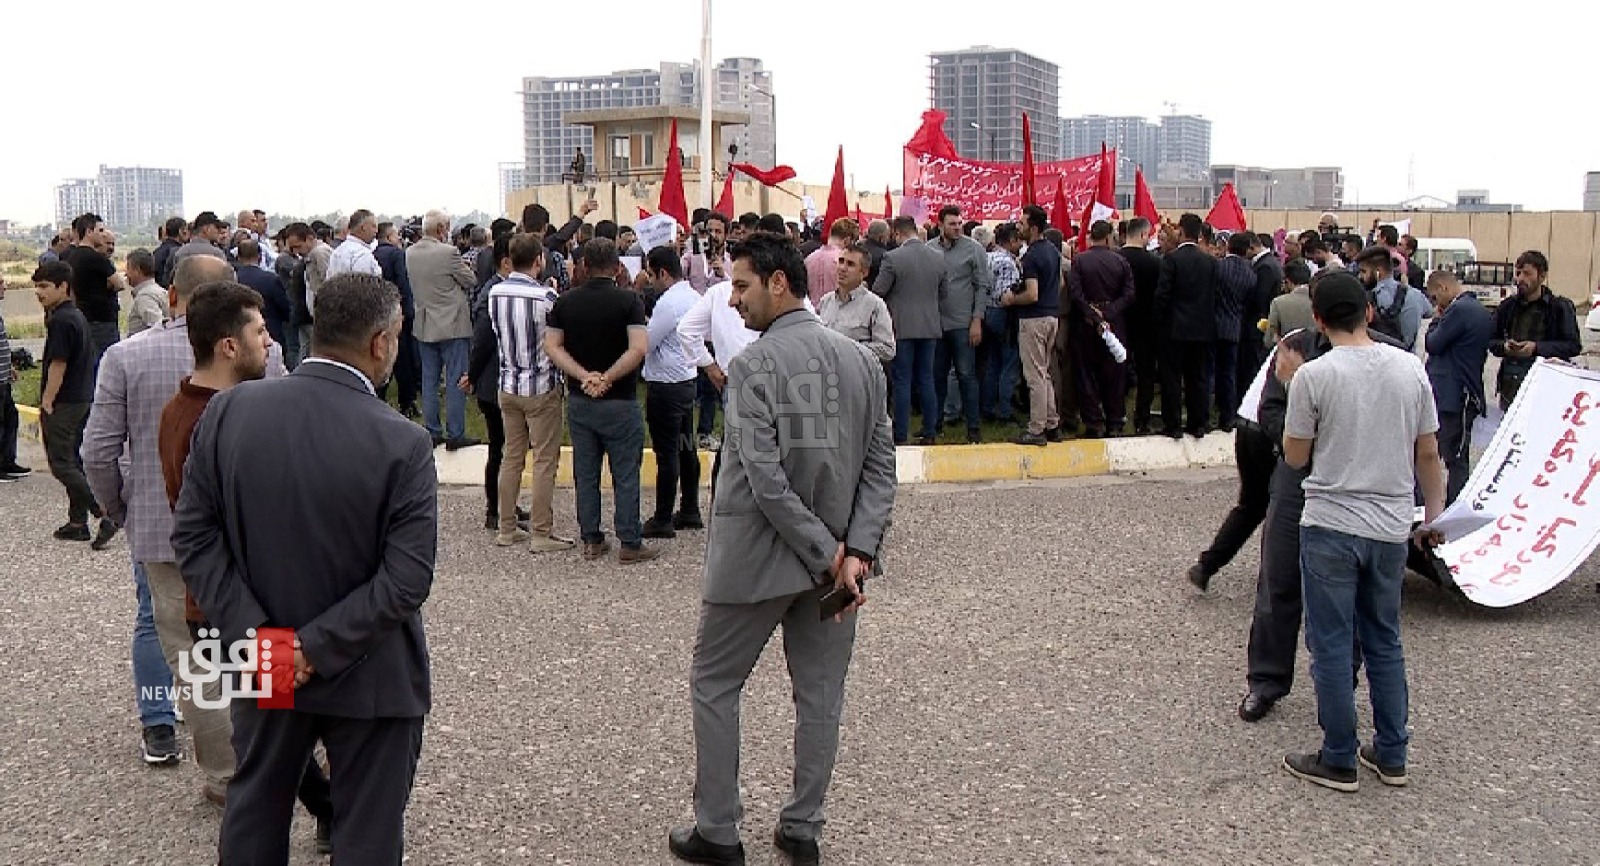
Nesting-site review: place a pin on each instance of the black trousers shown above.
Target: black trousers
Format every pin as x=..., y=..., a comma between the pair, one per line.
x=1455, y=446
x=1183, y=371
x=407, y=372
x=1222, y=382
x=102, y=336
x=1102, y=382
x=495, y=425
x=9, y=422
x=1252, y=354
x=1275, y=627
x=709, y=398
x=374, y=762
x=314, y=792
x=669, y=412
x=1255, y=459
x=1145, y=355
x=63, y=436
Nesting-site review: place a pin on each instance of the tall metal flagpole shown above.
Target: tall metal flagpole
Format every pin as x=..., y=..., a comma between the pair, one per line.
x=708, y=85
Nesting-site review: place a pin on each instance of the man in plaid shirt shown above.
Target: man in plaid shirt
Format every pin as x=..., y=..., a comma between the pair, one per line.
x=10, y=470
x=137, y=378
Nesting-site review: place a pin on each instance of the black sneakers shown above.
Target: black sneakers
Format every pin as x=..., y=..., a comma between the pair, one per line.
x=72, y=532
x=14, y=472
x=1310, y=768
x=160, y=745
x=1394, y=777
x=103, y=536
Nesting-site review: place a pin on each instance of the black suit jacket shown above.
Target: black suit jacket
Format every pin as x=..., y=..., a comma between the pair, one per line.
x=1186, y=296
x=308, y=503
x=1269, y=285
x=275, y=299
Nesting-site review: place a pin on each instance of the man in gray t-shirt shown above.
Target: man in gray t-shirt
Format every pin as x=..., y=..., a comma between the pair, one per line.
x=1362, y=416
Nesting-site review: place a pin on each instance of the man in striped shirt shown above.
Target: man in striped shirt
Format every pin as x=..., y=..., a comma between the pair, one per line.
x=532, y=396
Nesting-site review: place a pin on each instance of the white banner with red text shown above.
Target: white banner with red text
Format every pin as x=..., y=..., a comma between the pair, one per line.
x=1537, y=481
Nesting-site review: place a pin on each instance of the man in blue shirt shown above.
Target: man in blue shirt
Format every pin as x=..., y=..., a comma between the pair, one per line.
x=1377, y=274
x=1036, y=302
x=1458, y=345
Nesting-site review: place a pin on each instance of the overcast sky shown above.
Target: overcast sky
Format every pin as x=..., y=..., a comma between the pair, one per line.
x=312, y=107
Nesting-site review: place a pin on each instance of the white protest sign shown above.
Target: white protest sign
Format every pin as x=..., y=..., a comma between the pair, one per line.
x=1401, y=226
x=1250, y=406
x=1537, y=479
x=633, y=264
x=656, y=231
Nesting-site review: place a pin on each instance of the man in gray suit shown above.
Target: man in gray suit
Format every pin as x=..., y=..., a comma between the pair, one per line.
x=913, y=281
x=309, y=504
x=801, y=508
x=440, y=281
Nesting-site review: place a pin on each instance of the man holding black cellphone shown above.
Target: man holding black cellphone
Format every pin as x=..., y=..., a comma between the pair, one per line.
x=800, y=513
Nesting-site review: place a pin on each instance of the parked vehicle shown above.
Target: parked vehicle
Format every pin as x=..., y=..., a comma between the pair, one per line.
x=1449, y=254
x=1492, y=282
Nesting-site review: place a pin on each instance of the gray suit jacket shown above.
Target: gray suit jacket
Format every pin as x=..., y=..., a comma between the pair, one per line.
x=808, y=461
x=309, y=504
x=440, y=281
x=913, y=281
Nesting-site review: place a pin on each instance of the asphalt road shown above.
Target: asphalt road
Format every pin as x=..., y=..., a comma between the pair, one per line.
x=1033, y=684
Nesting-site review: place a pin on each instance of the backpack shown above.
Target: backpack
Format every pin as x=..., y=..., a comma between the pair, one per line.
x=1386, y=320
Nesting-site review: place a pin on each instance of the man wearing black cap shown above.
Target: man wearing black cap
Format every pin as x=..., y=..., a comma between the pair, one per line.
x=204, y=240
x=1361, y=420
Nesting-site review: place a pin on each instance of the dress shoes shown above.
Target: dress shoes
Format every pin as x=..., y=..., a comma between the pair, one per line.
x=597, y=550
x=687, y=845
x=1254, y=707
x=802, y=852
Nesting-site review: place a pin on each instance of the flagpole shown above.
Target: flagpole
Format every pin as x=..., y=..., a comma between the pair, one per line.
x=708, y=84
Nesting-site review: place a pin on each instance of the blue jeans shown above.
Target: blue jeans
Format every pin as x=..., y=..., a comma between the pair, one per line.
x=612, y=430
x=452, y=356
x=913, y=368
x=1002, y=365
x=151, y=676
x=1352, y=589
x=956, y=351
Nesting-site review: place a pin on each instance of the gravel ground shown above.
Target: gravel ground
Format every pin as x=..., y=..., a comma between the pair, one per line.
x=1033, y=684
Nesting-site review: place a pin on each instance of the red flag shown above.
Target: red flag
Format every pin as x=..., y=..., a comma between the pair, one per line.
x=1144, y=204
x=861, y=222
x=1227, y=214
x=1103, y=204
x=768, y=177
x=1059, y=217
x=725, y=203
x=1027, y=161
x=888, y=207
x=673, y=203
x=838, y=204
x=644, y=214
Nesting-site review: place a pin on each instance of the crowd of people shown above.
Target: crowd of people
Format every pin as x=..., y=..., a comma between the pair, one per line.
x=557, y=330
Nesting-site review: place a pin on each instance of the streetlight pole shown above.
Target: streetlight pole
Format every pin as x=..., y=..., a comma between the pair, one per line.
x=708, y=84
x=772, y=100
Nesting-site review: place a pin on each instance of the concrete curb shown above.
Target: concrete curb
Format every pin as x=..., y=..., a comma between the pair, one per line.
x=940, y=464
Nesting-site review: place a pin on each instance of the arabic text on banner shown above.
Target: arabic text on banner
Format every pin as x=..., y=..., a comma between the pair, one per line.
x=1538, y=479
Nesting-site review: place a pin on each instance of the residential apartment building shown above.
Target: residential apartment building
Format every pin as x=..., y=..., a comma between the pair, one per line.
x=125, y=197
x=983, y=92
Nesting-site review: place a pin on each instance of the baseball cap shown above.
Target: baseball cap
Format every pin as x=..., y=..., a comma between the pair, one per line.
x=1338, y=295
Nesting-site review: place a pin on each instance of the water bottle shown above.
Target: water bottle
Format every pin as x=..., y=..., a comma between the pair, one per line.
x=1119, y=353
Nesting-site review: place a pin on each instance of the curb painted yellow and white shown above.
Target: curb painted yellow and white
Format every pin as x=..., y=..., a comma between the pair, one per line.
x=914, y=464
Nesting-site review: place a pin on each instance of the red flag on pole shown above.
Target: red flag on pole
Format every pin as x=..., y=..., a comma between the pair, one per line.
x=644, y=214
x=1103, y=204
x=673, y=203
x=768, y=176
x=838, y=204
x=725, y=203
x=1227, y=214
x=1027, y=161
x=861, y=222
x=888, y=207
x=1059, y=216
x=1144, y=204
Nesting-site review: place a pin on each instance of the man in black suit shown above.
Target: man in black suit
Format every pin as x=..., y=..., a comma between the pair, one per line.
x=1186, y=303
x=1269, y=284
x=1145, y=340
x=274, y=298
x=308, y=504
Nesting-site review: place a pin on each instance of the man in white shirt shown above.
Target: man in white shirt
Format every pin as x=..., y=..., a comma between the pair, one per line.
x=255, y=222
x=669, y=374
x=354, y=256
x=150, y=302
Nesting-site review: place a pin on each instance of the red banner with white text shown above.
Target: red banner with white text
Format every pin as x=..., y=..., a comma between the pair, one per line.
x=935, y=176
